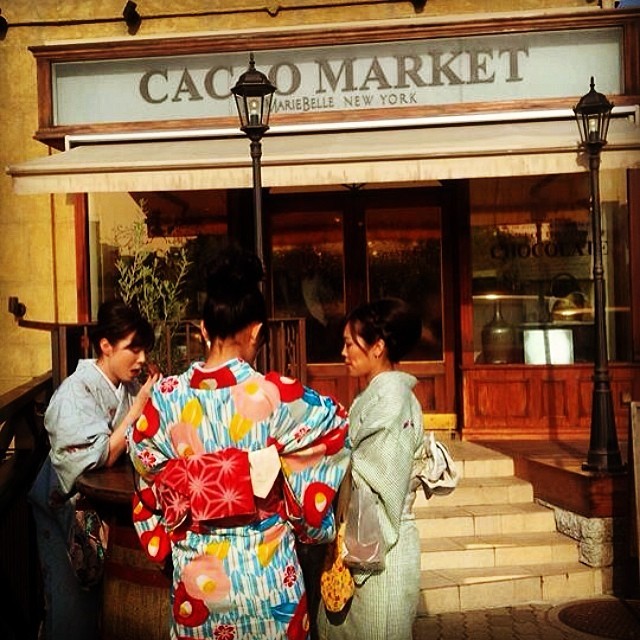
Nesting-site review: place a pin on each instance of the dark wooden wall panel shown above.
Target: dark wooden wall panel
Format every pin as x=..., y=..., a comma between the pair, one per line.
x=519, y=402
x=554, y=399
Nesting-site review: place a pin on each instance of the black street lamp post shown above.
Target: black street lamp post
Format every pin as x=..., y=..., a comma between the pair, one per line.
x=253, y=93
x=593, y=112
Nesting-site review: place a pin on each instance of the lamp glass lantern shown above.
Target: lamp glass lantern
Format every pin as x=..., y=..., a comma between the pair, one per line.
x=593, y=113
x=253, y=94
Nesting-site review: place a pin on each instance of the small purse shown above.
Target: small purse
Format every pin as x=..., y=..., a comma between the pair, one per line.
x=87, y=545
x=439, y=475
x=363, y=538
x=336, y=583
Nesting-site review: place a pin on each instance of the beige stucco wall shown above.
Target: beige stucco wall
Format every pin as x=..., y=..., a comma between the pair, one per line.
x=37, y=261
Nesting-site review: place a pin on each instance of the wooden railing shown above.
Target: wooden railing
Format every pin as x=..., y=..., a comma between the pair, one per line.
x=23, y=447
x=285, y=351
x=182, y=344
x=634, y=477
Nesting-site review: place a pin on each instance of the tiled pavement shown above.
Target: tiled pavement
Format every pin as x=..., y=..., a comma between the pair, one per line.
x=536, y=621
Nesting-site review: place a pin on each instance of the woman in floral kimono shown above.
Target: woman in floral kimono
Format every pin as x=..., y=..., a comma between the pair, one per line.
x=86, y=422
x=234, y=466
x=385, y=427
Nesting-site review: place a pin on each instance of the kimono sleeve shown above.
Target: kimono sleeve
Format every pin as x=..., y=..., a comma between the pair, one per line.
x=149, y=452
x=79, y=430
x=383, y=456
x=310, y=432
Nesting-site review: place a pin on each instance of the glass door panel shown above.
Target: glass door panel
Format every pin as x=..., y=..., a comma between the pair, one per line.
x=308, y=277
x=404, y=261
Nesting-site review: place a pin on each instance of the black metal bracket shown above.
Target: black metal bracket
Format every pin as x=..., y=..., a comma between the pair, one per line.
x=132, y=18
x=16, y=307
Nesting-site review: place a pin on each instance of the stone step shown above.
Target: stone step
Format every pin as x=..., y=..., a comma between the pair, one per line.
x=498, y=550
x=481, y=490
x=447, y=590
x=488, y=544
x=475, y=520
x=475, y=461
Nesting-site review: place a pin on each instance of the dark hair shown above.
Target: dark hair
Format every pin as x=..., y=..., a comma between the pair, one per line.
x=389, y=319
x=234, y=299
x=116, y=320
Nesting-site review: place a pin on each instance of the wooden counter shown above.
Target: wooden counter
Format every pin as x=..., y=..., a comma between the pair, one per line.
x=136, y=591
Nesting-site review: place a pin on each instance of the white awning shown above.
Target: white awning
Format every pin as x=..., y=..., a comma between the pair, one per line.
x=412, y=154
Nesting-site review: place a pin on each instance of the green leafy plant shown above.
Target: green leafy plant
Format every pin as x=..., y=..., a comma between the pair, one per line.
x=155, y=281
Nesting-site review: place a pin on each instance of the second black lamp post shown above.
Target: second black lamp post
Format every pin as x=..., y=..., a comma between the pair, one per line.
x=593, y=112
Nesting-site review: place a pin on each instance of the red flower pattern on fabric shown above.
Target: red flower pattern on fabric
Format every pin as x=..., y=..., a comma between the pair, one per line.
x=334, y=440
x=146, y=426
x=156, y=543
x=143, y=503
x=147, y=458
x=317, y=500
x=216, y=379
x=224, y=632
x=301, y=432
x=168, y=384
x=290, y=576
x=207, y=487
x=188, y=611
x=290, y=388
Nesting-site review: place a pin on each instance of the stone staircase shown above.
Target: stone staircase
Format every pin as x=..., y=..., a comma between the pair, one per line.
x=488, y=544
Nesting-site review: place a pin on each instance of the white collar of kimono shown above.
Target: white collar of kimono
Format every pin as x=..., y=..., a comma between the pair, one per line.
x=119, y=390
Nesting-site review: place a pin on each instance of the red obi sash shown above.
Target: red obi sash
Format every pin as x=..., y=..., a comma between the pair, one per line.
x=206, y=487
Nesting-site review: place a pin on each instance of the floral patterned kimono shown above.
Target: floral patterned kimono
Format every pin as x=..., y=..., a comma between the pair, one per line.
x=234, y=466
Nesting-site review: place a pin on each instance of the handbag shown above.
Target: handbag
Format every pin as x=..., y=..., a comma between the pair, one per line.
x=439, y=475
x=363, y=540
x=336, y=583
x=87, y=545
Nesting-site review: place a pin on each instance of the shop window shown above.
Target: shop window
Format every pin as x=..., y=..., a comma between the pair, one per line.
x=532, y=271
x=152, y=224
x=308, y=277
x=404, y=260
x=330, y=254
x=153, y=249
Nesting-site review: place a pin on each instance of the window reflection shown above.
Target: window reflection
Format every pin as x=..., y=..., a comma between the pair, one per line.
x=532, y=269
x=393, y=250
x=308, y=277
x=403, y=248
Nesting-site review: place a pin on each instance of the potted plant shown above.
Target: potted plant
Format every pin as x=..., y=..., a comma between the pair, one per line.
x=153, y=277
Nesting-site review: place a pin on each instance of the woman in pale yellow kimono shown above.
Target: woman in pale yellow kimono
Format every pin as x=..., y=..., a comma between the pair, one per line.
x=385, y=426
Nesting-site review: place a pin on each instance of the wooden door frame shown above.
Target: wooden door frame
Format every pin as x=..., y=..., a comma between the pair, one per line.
x=437, y=380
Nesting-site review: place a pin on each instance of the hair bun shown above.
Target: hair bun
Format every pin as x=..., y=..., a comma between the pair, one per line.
x=233, y=273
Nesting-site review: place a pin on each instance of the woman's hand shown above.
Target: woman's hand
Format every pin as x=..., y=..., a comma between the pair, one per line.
x=117, y=443
x=143, y=394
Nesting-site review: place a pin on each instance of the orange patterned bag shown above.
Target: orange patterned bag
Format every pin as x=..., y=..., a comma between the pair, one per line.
x=336, y=582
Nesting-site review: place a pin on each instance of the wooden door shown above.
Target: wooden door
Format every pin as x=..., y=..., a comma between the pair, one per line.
x=330, y=251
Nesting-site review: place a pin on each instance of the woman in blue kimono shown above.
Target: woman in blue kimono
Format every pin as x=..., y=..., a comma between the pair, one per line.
x=385, y=427
x=234, y=466
x=86, y=421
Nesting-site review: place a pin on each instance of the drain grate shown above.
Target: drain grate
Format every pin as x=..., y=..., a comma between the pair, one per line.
x=611, y=618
